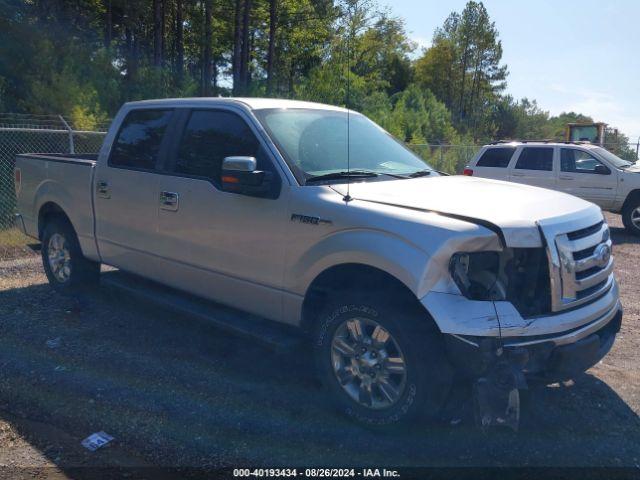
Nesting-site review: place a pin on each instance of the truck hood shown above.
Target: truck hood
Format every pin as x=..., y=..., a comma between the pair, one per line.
x=513, y=210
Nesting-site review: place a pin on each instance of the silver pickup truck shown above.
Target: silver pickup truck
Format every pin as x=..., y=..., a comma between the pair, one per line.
x=312, y=216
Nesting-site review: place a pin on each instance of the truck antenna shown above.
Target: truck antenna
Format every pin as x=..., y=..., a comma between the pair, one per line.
x=347, y=198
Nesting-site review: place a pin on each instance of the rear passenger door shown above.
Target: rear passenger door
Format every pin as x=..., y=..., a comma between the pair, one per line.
x=494, y=163
x=535, y=166
x=585, y=176
x=126, y=189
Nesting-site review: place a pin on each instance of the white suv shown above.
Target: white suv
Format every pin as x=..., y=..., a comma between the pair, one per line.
x=584, y=170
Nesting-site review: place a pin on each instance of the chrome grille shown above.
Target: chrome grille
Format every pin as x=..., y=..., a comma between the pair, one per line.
x=581, y=264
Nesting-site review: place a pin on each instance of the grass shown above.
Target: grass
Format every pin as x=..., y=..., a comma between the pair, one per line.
x=14, y=244
x=12, y=237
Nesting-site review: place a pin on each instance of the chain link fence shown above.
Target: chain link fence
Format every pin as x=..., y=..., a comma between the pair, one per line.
x=446, y=158
x=36, y=134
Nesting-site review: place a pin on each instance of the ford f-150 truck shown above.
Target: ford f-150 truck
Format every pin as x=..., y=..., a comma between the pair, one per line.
x=314, y=217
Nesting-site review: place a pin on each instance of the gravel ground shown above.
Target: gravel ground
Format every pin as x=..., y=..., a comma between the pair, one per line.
x=175, y=391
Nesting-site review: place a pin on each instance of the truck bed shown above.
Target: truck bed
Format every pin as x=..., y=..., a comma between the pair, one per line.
x=65, y=180
x=82, y=158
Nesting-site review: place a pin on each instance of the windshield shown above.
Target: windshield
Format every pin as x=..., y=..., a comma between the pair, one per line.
x=613, y=159
x=314, y=143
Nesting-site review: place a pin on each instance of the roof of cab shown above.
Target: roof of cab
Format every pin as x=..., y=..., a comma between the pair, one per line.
x=251, y=103
x=537, y=143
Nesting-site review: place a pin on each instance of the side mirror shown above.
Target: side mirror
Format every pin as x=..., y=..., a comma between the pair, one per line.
x=239, y=164
x=601, y=170
x=239, y=175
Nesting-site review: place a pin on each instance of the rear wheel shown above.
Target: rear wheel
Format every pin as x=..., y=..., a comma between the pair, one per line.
x=631, y=216
x=381, y=362
x=66, y=268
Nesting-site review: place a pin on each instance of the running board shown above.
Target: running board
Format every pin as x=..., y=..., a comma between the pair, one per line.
x=276, y=336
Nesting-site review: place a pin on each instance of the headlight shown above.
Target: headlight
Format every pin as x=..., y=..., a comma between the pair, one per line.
x=477, y=275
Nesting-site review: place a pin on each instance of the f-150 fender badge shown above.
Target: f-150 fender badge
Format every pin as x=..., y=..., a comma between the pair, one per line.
x=296, y=217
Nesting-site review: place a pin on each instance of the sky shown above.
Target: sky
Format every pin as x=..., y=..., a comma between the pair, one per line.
x=569, y=55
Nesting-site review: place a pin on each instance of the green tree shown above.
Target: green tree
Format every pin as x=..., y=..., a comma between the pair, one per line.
x=465, y=69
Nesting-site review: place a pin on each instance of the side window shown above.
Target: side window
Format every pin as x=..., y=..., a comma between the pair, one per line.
x=209, y=137
x=579, y=161
x=496, y=157
x=138, y=142
x=536, y=158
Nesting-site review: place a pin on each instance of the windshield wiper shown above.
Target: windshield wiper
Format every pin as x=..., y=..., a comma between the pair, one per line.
x=420, y=173
x=341, y=175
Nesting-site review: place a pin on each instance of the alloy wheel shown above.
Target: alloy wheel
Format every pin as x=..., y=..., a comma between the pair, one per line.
x=635, y=218
x=59, y=257
x=368, y=363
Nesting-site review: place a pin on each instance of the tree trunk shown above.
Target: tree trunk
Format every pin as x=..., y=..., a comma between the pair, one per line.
x=179, y=42
x=157, y=33
x=273, y=20
x=131, y=33
x=462, y=82
x=207, y=70
x=215, y=77
x=246, y=48
x=475, y=91
x=128, y=35
x=163, y=33
x=237, y=48
x=108, y=25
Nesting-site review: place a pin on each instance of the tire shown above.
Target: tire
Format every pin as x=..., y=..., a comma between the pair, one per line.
x=67, y=270
x=631, y=216
x=417, y=391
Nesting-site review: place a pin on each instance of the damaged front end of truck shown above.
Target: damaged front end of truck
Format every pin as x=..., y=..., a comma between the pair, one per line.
x=516, y=315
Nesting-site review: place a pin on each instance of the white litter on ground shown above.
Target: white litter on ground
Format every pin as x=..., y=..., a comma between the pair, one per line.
x=96, y=440
x=54, y=342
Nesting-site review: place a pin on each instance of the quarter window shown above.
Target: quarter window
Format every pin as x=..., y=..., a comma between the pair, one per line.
x=578, y=161
x=138, y=143
x=496, y=157
x=536, y=158
x=209, y=137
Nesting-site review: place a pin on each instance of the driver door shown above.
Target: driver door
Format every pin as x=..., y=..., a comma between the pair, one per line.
x=228, y=247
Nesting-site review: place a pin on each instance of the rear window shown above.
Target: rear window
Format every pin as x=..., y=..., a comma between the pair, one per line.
x=496, y=157
x=138, y=143
x=535, y=158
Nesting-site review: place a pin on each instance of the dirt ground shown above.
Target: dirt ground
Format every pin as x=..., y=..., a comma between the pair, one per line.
x=174, y=391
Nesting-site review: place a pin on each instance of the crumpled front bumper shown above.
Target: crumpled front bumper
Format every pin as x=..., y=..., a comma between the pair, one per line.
x=557, y=347
x=546, y=360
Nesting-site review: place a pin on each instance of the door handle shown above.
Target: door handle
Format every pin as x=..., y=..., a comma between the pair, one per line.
x=517, y=174
x=566, y=178
x=102, y=189
x=169, y=201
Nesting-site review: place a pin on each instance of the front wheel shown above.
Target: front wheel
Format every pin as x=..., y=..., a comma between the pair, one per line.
x=631, y=216
x=381, y=362
x=66, y=268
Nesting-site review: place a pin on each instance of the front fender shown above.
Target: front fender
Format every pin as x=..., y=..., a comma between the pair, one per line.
x=375, y=248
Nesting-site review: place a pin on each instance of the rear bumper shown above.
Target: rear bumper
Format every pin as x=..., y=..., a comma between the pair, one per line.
x=548, y=359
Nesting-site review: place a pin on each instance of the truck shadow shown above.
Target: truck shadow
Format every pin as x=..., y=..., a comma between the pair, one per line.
x=174, y=391
x=620, y=236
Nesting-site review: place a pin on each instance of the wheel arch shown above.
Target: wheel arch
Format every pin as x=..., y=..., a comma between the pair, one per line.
x=633, y=195
x=356, y=277
x=49, y=210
